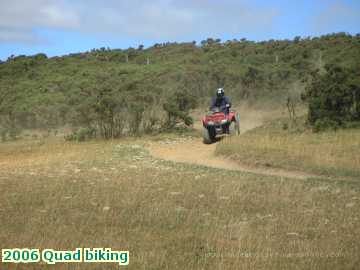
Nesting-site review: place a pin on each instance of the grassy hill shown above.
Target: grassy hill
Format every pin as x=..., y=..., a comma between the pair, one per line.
x=124, y=90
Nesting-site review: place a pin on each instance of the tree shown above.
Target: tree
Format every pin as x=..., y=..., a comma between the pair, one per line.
x=297, y=39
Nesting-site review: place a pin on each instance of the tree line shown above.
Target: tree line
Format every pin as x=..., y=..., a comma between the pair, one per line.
x=112, y=92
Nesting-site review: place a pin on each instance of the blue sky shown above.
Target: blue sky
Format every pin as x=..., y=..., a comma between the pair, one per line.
x=58, y=27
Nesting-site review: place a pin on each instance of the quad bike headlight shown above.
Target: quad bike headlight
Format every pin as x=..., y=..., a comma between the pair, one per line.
x=224, y=121
x=210, y=123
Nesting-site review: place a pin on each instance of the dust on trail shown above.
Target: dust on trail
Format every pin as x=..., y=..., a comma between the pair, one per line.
x=194, y=151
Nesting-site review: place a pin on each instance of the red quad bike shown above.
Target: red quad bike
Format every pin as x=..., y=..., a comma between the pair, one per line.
x=217, y=123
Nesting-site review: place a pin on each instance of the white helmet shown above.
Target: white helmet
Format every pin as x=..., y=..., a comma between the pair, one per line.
x=220, y=92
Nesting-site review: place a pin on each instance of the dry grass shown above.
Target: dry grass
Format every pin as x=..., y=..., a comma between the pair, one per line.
x=171, y=216
x=332, y=153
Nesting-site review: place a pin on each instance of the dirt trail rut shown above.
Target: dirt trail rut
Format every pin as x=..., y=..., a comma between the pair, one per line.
x=193, y=151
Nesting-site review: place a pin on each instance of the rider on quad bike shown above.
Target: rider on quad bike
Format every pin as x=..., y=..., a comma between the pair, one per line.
x=221, y=101
x=220, y=120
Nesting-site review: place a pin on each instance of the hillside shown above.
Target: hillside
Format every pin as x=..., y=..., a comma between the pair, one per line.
x=115, y=92
x=279, y=196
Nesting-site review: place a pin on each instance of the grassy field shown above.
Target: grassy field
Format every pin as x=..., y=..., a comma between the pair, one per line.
x=168, y=215
x=331, y=153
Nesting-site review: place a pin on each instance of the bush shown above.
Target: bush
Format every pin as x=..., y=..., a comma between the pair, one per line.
x=81, y=135
x=14, y=133
x=3, y=134
x=177, y=108
x=136, y=117
x=10, y=133
x=70, y=137
x=150, y=123
x=324, y=124
x=333, y=98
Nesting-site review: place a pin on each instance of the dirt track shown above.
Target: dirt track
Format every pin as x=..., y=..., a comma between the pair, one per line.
x=193, y=151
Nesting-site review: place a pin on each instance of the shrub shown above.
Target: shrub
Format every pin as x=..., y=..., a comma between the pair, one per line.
x=81, y=135
x=324, y=124
x=177, y=108
x=333, y=97
x=3, y=134
x=136, y=115
x=70, y=137
x=10, y=133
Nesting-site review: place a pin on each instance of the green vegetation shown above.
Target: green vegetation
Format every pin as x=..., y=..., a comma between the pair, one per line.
x=334, y=97
x=119, y=92
x=280, y=144
x=179, y=106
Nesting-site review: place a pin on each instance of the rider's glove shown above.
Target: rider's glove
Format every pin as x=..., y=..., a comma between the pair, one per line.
x=227, y=105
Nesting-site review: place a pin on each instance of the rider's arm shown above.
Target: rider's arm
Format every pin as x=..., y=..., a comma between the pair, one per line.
x=227, y=101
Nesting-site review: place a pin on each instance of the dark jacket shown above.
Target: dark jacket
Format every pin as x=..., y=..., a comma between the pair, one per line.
x=221, y=104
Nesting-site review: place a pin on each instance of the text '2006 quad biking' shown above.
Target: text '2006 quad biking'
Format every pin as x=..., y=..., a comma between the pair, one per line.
x=217, y=123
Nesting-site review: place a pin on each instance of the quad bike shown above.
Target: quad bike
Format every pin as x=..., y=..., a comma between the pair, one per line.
x=217, y=123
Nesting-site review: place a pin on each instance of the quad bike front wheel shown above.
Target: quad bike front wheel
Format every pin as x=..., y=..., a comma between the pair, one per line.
x=234, y=128
x=207, y=138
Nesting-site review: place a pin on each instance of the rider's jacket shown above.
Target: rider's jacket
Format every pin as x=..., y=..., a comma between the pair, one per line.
x=221, y=103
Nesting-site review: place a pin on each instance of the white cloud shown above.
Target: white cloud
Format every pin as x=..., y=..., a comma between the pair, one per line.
x=141, y=19
x=18, y=18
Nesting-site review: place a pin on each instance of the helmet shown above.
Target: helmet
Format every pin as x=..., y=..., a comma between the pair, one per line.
x=220, y=92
